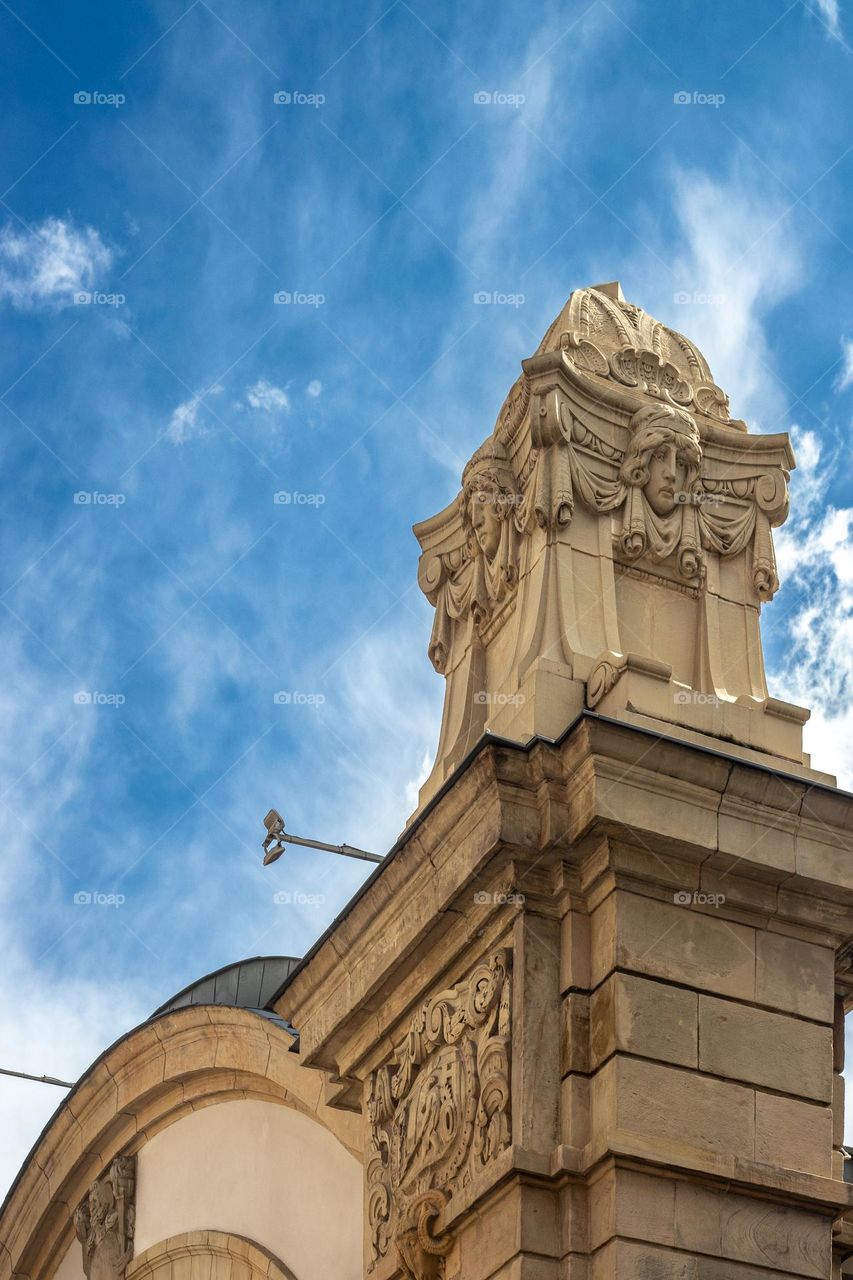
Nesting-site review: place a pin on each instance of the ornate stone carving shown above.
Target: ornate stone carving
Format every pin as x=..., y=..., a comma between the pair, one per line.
x=660, y=473
x=475, y=581
x=438, y=1112
x=616, y=508
x=604, y=335
x=104, y=1222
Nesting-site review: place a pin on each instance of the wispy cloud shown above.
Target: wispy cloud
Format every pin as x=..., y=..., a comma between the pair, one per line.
x=738, y=258
x=49, y=265
x=265, y=395
x=845, y=377
x=314, y=388
x=830, y=12
x=186, y=423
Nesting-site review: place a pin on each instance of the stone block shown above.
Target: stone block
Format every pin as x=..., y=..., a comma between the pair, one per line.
x=675, y=941
x=651, y=1019
x=795, y=975
x=764, y=1048
x=574, y=1037
x=650, y=1100
x=795, y=1135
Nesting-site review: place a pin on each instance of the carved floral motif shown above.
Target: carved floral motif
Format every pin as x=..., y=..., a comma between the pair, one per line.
x=437, y=1113
x=105, y=1221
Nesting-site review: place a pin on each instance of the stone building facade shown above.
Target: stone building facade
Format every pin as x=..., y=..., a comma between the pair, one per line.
x=585, y=1021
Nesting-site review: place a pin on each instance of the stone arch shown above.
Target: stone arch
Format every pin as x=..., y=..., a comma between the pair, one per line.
x=207, y=1255
x=190, y=1058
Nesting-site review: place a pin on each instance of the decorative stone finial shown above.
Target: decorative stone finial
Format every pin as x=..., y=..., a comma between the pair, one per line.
x=610, y=548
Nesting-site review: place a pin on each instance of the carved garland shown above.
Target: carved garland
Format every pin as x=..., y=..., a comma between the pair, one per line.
x=437, y=1113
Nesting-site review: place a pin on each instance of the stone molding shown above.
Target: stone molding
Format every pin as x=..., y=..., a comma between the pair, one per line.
x=546, y=806
x=213, y=1255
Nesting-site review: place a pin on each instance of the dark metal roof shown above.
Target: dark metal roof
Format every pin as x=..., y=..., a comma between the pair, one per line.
x=247, y=984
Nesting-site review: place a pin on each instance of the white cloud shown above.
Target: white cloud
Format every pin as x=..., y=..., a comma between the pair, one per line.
x=737, y=259
x=831, y=16
x=268, y=397
x=184, y=423
x=845, y=378
x=314, y=388
x=52, y=1022
x=51, y=264
x=815, y=557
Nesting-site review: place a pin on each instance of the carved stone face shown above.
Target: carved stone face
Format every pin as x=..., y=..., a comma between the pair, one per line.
x=486, y=523
x=667, y=476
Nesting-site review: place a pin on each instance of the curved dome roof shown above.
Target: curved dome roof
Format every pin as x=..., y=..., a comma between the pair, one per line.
x=247, y=984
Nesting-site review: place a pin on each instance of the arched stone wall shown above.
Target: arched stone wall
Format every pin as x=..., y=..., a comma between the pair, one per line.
x=168, y=1067
x=207, y=1255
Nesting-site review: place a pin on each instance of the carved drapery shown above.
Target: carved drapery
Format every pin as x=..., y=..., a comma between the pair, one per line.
x=104, y=1222
x=569, y=462
x=438, y=1112
x=477, y=578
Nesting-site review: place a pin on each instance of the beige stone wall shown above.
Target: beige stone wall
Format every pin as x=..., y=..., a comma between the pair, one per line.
x=257, y=1170
x=714, y=1032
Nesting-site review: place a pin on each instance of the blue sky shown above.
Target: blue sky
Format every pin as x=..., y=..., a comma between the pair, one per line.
x=379, y=195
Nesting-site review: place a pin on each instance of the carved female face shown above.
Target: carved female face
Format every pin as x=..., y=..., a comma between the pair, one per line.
x=667, y=476
x=485, y=522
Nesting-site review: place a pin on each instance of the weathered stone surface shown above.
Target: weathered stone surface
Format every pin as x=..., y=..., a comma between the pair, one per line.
x=675, y=942
x=784, y=1053
x=795, y=975
x=652, y=1019
x=795, y=1135
x=647, y=1098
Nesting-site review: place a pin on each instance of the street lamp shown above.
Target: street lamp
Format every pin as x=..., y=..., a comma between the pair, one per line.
x=276, y=838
